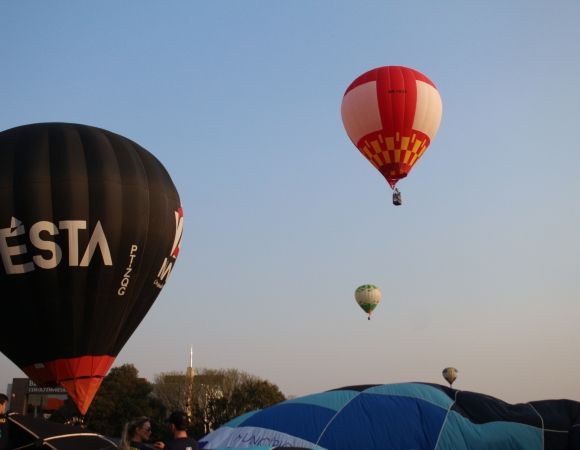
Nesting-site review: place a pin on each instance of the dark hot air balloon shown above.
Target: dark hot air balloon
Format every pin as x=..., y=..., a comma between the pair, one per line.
x=90, y=227
x=391, y=114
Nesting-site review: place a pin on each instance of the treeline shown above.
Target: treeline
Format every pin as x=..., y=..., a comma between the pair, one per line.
x=214, y=398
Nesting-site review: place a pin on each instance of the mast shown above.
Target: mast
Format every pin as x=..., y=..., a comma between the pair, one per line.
x=189, y=374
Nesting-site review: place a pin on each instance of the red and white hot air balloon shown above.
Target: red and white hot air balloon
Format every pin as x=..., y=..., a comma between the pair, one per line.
x=391, y=114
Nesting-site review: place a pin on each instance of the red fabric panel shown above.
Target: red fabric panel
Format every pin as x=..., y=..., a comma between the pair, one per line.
x=82, y=391
x=397, y=97
x=373, y=75
x=81, y=377
x=54, y=372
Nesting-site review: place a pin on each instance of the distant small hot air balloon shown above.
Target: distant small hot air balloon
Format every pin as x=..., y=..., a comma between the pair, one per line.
x=391, y=114
x=368, y=296
x=450, y=374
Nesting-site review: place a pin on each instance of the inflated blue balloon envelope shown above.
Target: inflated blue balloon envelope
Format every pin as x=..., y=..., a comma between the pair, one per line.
x=402, y=416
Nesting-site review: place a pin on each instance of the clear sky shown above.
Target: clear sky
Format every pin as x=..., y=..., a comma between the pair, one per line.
x=240, y=100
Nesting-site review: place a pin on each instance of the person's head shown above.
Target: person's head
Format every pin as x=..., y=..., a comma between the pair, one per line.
x=137, y=430
x=178, y=421
x=3, y=403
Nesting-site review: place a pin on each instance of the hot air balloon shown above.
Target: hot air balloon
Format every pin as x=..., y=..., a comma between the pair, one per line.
x=391, y=114
x=450, y=374
x=368, y=296
x=90, y=228
x=402, y=416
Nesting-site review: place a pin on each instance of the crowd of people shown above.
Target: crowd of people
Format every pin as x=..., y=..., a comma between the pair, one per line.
x=136, y=433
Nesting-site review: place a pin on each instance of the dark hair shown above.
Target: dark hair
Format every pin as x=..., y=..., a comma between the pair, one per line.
x=3, y=399
x=179, y=420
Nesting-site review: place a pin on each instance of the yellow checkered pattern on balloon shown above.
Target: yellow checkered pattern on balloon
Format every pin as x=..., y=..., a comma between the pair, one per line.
x=381, y=150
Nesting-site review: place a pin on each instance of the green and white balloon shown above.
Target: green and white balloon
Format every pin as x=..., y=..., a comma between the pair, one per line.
x=368, y=296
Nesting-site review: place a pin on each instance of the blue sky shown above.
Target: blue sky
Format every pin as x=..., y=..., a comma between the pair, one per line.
x=240, y=100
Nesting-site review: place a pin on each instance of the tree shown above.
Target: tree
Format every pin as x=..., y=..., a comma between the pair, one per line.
x=122, y=397
x=170, y=389
x=217, y=396
x=254, y=394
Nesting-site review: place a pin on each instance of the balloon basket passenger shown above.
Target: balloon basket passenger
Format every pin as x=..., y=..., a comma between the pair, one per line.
x=397, y=200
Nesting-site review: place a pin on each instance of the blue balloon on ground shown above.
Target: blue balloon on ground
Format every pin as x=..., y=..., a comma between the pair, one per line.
x=402, y=416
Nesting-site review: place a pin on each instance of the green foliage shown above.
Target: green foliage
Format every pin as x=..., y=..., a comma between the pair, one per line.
x=121, y=397
x=214, y=398
x=254, y=394
x=217, y=396
x=170, y=389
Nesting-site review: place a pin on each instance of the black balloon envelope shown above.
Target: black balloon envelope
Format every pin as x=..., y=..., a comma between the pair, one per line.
x=90, y=228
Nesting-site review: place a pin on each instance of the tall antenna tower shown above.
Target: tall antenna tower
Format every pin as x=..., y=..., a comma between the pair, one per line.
x=189, y=374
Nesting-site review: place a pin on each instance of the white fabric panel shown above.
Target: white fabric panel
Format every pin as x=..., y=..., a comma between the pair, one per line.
x=247, y=437
x=360, y=111
x=368, y=296
x=429, y=109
